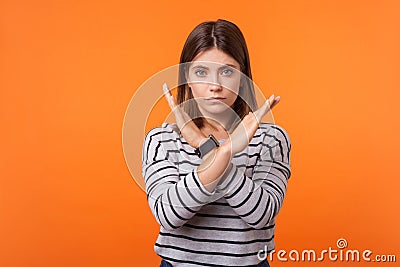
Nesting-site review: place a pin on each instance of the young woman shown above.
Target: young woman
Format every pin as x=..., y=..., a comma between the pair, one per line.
x=216, y=179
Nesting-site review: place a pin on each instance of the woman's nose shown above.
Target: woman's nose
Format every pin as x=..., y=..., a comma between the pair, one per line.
x=215, y=86
x=215, y=83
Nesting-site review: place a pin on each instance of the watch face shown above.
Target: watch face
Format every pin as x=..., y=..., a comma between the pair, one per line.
x=207, y=146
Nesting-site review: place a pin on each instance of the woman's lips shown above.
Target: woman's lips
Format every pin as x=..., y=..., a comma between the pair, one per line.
x=215, y=99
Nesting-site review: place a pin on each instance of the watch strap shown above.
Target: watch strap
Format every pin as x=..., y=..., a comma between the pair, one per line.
x=207, y=146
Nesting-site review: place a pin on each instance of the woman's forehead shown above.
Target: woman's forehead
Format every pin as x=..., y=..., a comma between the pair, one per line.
x=217, y=56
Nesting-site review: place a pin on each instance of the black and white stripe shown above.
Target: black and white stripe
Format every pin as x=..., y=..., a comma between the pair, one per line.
x=228, y=226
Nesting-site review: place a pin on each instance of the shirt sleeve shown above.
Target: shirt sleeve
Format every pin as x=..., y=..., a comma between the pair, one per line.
x=257, y=200
x=173, y=199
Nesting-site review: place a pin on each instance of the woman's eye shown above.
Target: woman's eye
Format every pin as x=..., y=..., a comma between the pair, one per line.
x=227, y=72
x=200, y=72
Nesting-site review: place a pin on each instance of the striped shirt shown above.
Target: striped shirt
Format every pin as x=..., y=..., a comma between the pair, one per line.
x=226, y=227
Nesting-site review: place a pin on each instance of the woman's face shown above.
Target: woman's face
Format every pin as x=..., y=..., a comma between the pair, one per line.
x=214, y=77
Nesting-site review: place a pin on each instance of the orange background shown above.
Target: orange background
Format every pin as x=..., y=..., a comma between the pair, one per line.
x=69, y=69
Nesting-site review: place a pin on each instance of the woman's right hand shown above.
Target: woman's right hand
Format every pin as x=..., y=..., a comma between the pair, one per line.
x=187, y=127
x=244, y=132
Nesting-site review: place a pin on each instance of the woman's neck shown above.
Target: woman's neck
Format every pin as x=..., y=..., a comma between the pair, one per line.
x=219, y=129
x=224, y=119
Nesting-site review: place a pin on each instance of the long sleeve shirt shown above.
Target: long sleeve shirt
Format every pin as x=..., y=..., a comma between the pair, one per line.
x=229, y=226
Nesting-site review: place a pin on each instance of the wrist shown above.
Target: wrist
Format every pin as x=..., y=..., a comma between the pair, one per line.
x=223, y=152
x=226, y=148
x=199, y=141
x=206, y=145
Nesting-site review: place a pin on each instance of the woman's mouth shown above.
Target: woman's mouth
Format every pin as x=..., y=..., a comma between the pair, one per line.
x=215, y=99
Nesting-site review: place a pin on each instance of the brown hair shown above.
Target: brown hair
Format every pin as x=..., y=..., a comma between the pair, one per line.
x=227, y=37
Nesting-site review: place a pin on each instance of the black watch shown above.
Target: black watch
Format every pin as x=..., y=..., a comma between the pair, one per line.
x=207, y=146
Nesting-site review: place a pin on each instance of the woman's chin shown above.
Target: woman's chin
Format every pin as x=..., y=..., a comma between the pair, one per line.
x=216, y=110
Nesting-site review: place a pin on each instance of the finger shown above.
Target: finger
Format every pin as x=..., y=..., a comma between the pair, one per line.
x=171, y=102
x=271, y=98
x=166, y=89
x=271, y=102
x=276, y=101
x=263, y=109
x=169, y=97
x=167, y=94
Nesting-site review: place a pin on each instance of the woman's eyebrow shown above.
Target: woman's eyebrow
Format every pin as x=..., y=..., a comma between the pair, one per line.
x=200, y=66
x=231, y=65
x=223, y=65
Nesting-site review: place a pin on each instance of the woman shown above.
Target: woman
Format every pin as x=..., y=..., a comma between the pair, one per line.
x=216, y=179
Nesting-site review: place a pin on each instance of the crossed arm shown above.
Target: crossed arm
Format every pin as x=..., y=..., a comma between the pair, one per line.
x=174, y=198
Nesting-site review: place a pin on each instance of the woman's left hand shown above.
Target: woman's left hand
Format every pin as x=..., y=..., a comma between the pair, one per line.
x=187, y=127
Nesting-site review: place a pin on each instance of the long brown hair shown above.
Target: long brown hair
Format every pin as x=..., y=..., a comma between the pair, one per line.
x=227, y=37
